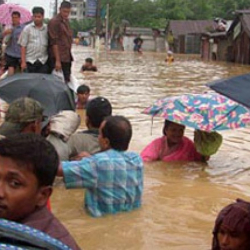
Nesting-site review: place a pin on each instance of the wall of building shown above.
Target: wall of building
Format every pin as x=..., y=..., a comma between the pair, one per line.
x=149, y=43
x=77, y=10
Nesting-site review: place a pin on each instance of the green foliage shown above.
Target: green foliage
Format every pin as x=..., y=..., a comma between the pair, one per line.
x=154, y=13
x=82, y=25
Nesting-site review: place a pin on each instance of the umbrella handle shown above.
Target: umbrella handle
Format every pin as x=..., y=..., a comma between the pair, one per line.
x=152, y=120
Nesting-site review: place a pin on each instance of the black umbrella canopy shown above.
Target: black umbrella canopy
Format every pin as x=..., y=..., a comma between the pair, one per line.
x=53, y=94
x=236, y=88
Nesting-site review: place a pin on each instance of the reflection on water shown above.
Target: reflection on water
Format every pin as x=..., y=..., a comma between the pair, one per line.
x=180, y=200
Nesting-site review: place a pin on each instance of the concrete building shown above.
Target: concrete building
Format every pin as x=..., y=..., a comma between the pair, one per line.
x=77, y=10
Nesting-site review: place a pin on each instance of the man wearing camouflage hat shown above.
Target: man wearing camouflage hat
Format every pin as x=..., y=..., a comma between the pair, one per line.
x=24, y=115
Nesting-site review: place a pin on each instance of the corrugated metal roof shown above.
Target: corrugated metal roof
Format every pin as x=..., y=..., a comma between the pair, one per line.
x=247, y=11
x=183, y=27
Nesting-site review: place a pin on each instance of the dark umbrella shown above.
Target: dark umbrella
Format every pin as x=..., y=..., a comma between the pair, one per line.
x=236, y=88
x=53, y=94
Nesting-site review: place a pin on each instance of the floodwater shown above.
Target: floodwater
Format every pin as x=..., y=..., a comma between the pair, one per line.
x=180, y=200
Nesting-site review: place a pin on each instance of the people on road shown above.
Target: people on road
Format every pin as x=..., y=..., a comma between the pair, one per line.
x=60, y=40
x=34, y=44
x=113, y=178
x=172, y=146
x=13, y=49
x=28, y=166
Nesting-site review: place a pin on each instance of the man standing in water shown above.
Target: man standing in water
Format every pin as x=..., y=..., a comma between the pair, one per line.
x=138, y=43
x=113, y=178
x=60, y=39
x=34, y=44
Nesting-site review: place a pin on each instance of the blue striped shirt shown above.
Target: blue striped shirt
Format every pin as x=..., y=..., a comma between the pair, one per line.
x=113, y=179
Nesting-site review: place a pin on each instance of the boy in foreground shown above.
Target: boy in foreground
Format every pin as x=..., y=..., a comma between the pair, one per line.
x=28, y=165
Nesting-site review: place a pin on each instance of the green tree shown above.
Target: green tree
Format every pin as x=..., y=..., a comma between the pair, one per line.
x=82, y=25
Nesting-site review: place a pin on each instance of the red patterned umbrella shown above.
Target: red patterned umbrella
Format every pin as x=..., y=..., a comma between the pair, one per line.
x=8, y=8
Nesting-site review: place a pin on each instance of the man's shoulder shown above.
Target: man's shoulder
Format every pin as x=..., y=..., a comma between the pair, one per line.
x=45, y=221
x=54, y=21
x=81, y=135
x=115, y=154
x=28, y=27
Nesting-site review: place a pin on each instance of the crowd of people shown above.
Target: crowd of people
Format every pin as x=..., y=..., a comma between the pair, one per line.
x=37, y=47
x=96, y=159
x=34, y=149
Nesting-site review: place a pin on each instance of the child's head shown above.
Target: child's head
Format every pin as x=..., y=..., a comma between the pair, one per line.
x=28, y=166
x=173, y=131
x=232, y=227
x=88, y=61
x=83, y=93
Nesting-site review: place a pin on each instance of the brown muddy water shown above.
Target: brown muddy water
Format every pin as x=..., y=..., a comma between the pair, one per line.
x=180, y=200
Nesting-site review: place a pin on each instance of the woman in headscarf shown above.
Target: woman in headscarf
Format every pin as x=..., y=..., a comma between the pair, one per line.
x=172, y=146
x=232, y=227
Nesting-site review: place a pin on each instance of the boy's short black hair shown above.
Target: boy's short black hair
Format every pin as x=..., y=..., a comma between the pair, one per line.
x=65, y=4
x=38, y=10
x=118, y=130
x=83, y=89
x=97, y=109
x=33, y=152
x=16, y=13
x=89, y=60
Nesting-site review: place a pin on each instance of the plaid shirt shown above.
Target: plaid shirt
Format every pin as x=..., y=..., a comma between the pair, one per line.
x=113, y=179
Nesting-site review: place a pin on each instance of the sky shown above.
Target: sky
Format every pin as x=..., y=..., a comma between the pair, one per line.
x=29, y=4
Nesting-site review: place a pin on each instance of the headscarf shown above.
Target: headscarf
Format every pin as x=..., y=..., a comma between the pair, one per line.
x=235, y=217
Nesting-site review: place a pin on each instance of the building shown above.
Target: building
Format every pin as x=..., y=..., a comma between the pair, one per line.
x=239, y=38
x=77, y=10
x=153, y=39
x=215, y=45
x=184, y=36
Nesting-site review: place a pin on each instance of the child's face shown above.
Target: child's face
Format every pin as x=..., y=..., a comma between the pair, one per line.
x=83, y=98
x=19, y=190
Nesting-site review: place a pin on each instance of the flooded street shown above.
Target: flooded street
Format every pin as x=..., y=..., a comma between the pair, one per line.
x=181, y=200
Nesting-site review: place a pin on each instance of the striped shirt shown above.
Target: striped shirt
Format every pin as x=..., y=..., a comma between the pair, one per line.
x=113, y=181
x=35, y=40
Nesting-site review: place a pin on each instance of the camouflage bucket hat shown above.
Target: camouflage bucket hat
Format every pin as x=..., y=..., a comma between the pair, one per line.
x=21, y=111
x=24, y=110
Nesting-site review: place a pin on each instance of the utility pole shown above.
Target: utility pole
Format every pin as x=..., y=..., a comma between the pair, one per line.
x=107, y=28
x=98, y=17
x=56, y=7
